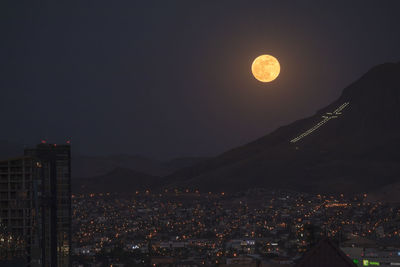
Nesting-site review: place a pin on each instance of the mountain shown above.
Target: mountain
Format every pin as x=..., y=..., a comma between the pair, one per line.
x=351, y=145
x=114, y=173
x=388, y=193
x=122, y=173
x=90, y=166
x=118, y=180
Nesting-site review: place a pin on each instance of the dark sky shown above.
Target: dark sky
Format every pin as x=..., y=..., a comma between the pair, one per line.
x=172, y=78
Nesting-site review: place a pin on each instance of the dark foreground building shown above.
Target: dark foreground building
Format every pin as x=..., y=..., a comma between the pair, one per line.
x=35, y=207
x=325, y=254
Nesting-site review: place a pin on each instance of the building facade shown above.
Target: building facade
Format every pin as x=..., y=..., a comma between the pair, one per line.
x=35, y=204
x=17, y=210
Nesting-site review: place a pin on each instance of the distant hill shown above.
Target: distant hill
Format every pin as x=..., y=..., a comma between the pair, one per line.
x=119, y=180
x=388, y=193
x=115, y=173
x=89, y=166
x=351, y=145
x=122, y=173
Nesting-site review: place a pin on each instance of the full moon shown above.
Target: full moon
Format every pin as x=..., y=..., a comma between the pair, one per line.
x=265, y=68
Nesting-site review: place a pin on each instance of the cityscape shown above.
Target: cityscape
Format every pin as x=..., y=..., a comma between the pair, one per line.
x=257, y=227
x=199, y=133
x=189, y=228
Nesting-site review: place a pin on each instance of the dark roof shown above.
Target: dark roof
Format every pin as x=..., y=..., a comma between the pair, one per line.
x=326, y=254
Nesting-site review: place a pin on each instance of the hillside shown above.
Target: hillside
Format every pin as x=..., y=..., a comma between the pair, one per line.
x=353, y=144
x=119, y=180
x=90, y=166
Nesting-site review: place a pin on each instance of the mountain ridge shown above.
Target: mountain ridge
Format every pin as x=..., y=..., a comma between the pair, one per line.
x=344, y=145
x=121, y=180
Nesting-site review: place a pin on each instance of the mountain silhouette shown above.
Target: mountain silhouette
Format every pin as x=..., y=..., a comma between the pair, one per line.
x=91, y=166
x=119, y=180
x=351, y=145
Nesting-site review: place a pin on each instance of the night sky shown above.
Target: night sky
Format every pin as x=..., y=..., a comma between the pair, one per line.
x=172, y=78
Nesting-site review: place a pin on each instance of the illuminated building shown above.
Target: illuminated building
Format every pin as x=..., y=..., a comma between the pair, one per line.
x=55, y=190
x=365, y=252
x=17, y=211
x=35, y=204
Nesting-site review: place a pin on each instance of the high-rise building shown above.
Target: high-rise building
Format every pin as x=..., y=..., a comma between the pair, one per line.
x=35, y=204
x=18, y=219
